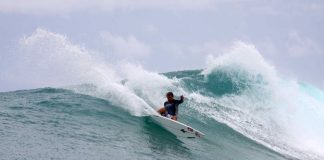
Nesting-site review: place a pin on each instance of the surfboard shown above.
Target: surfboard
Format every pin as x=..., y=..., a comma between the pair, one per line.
x=177, y=128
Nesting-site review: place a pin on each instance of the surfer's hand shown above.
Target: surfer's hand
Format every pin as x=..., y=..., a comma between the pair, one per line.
x=181, y=97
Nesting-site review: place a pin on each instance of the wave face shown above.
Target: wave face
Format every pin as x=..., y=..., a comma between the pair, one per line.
x=238, y=100
x=61, y=124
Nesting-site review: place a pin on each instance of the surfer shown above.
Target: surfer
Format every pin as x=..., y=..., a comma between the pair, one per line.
x=170, y=108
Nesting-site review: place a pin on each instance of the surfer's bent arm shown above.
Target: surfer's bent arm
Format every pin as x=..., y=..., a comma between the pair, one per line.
x=179, y=101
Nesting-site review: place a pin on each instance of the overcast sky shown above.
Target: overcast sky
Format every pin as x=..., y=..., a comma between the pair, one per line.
x=171, y=35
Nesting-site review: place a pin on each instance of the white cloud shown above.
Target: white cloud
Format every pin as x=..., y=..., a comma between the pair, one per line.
x=210, y=47
x=41, y=7
x=62, y=7
x=314, y=7
x=151, y=28
x=126, y=47
x=67, y=6
x=187, y=56
x=299, y=46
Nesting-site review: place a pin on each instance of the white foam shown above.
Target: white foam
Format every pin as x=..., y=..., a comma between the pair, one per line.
x=50, y=59
x=149, y=85
x=276, y=113
x=241, y=56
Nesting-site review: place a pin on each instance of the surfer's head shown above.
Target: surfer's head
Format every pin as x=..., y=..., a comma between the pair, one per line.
x=169, y=96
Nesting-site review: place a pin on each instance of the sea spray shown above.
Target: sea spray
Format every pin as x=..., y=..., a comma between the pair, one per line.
x=52, y=60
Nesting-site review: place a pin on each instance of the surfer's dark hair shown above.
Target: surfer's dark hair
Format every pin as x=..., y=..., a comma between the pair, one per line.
x=169, y=94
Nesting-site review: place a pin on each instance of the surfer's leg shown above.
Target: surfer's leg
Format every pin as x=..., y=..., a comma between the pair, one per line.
x=161, y=110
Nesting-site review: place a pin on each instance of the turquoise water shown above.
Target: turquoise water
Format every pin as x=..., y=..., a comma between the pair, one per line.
x=56, y=123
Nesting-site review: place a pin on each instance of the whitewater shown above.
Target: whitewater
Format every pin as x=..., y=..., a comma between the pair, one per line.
x=78, y=106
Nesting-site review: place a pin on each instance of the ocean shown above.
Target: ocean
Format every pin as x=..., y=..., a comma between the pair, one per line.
x=61, y=123
x=79, y=108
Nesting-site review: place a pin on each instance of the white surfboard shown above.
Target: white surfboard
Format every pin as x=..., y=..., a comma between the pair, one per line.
x=177, y=128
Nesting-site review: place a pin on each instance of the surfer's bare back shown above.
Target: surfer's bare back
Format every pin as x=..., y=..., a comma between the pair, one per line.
x=170, y=108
